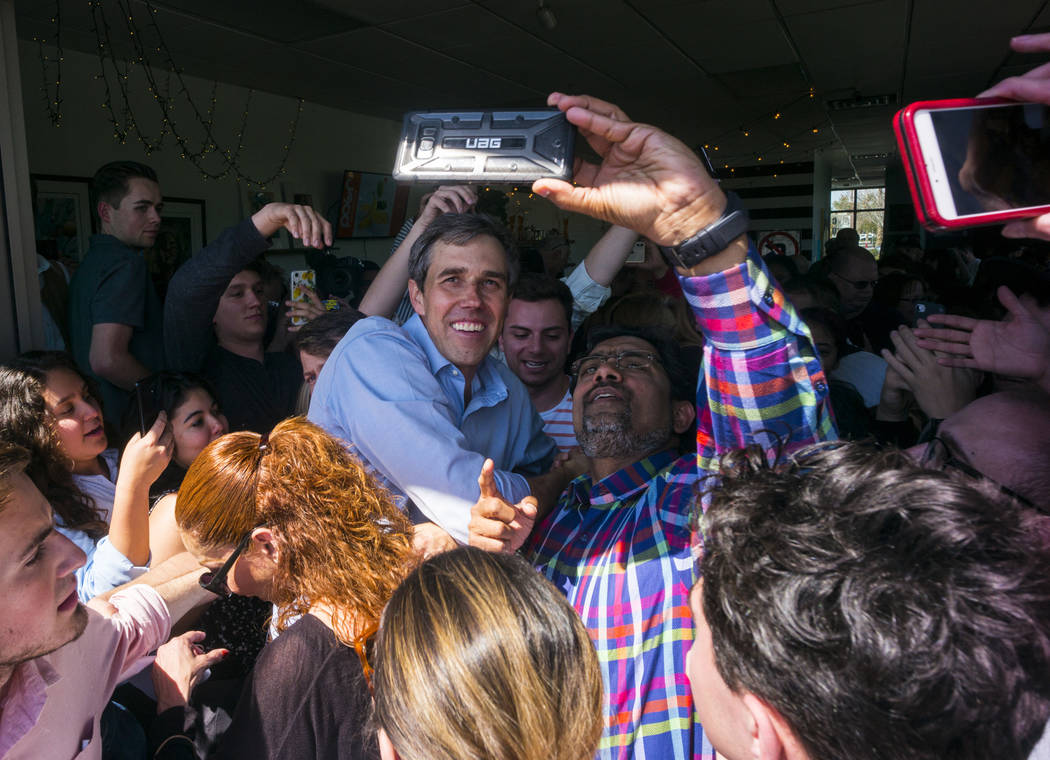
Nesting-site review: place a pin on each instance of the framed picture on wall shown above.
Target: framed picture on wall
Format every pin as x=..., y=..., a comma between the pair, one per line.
x=371, y=205
x=181, y=235
x=64, y=217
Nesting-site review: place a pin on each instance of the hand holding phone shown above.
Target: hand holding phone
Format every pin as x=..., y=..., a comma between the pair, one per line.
x=975, y=162
x=146, y=401
x=303, y=284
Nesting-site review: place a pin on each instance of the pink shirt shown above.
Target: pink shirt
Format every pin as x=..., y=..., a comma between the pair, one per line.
x=53, y=703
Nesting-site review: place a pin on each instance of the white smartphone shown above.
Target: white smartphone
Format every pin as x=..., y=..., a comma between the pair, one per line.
x=973, y=162
x=299, y=279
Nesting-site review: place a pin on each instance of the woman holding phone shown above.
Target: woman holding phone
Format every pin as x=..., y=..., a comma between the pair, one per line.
x=49, y=408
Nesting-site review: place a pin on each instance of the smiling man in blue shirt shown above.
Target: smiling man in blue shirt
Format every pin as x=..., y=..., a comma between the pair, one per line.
x=425, y=404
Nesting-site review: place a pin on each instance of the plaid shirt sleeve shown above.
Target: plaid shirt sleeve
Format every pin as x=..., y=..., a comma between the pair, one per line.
x=761, y=377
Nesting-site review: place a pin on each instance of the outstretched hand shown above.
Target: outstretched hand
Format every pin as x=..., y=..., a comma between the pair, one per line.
x=1031, y=87
x=305, y=223
x=648, y=181
x=939, y=391
x=180, y=665
x=1018, y=346
x=495, y=524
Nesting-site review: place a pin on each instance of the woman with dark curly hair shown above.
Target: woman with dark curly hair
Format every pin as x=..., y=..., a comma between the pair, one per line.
x=50, y=409
x=292, y=518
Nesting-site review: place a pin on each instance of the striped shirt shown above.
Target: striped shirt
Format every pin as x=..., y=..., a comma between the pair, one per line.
x=557, y=423
x=621, y=548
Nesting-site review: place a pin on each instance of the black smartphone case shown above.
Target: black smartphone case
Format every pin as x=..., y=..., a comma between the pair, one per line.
x=503, y=146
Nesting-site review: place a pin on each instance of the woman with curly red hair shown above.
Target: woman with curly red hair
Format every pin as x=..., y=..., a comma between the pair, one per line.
x=292, y=518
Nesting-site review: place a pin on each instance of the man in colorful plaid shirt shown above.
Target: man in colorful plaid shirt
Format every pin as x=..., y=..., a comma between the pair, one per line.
x=619, y=541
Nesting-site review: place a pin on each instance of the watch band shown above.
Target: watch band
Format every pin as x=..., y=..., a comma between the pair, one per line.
x=712, y=239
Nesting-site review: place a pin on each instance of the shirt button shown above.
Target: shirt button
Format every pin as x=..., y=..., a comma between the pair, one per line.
x=768, y=297
x=585, y=537
x=822, y=386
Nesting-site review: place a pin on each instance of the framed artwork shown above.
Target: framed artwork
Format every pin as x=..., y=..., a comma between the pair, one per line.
x=371, y=205
x=181, y=235
x=64, y=217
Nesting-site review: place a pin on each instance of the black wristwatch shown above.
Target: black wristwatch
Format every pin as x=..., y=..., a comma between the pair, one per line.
x=712, y=239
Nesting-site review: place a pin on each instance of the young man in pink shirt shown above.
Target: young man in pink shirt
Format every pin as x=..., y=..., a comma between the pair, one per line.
x=60, y=660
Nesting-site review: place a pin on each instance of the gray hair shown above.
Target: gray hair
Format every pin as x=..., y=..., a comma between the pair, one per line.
x=460, y=229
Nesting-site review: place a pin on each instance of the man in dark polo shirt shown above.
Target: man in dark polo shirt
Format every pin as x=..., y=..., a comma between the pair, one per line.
x=115, y=319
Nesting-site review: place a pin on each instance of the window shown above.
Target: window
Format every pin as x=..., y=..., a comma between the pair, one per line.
x=862, y=209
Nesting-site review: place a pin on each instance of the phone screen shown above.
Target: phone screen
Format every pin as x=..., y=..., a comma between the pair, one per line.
x=987, y=158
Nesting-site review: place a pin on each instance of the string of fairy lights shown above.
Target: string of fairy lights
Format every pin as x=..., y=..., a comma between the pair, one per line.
x=215, y=159
x=769, y=154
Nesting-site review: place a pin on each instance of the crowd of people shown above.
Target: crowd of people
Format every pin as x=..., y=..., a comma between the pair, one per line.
x=709, y=503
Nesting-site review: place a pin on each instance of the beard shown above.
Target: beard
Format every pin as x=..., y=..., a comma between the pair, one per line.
x=610, y=435
x=73, y=630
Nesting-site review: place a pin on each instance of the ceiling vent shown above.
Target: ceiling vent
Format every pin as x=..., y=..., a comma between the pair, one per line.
x=861, y=101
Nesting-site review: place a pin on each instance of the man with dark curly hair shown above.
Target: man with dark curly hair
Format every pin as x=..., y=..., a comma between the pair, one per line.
x=854, y=605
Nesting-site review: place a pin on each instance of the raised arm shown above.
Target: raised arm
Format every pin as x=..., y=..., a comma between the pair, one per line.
x=761, y=373
x=196, y=287
x=386, y=290
x=145, y=458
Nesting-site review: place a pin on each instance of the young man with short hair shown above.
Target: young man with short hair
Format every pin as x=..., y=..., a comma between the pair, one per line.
x=60, y=660
x=855, y=605
x=115, y=319
x=535, y=343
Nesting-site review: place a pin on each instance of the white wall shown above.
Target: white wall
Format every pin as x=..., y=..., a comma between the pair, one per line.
x=328, y=141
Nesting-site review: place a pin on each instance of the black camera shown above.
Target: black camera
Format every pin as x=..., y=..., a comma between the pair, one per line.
x=337, y=277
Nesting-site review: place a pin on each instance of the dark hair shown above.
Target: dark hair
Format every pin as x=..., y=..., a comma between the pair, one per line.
x=841, y=256
x=683, y=386
x=26, y=423
x=164, y=391
x=110, y=183
x=321, y=335
x=543, y=287
x=889, y=288
x=832, y=322
x=13, y=460
x=460, y=229
x=885, y=611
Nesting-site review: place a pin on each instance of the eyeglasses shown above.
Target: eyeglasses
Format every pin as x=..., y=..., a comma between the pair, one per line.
x=361, y=645
x=858, y=284
x=623, y=360
x=215, y=582
x=938, y=456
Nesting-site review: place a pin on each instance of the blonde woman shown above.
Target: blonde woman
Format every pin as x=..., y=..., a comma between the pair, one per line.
x=480, y=657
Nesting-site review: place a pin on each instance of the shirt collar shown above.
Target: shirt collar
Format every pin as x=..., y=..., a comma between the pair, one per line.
x=24, y=701
x=623, y=484
x=418, y=332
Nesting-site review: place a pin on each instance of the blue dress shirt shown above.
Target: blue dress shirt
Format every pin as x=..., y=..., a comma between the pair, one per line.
x=389, y=392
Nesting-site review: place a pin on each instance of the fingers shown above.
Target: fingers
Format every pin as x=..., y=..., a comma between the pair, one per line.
x=600, y=131
x=529, y=507
x=564, y=102
x=953, y=320
x=576, y=198
x=487, y=481
x=1011, y=302
x=903, y=371
x=1031, y=43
